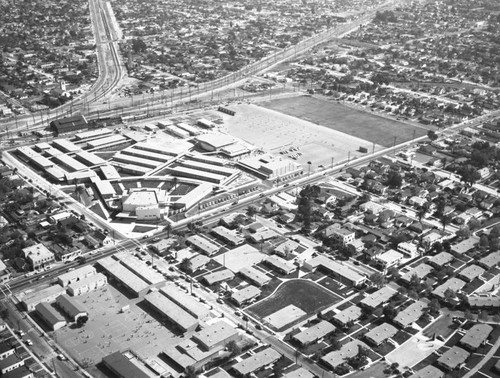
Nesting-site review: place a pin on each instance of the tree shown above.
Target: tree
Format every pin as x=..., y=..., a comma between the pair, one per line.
x=494, y=244
x=464, y=232
x=412, y=294
x=80, y=322
x=251, y=211
x=445, y=220
x=431, y=134
x=468, y=315
x=434, y=307
x=484, y=242
x=186, y=265
x=394, y=179
x=378, y=279
x=449, y=295
x=390, y=311
x=168, y=228
x=190, y=372
x=483, y=316
x=233, y=347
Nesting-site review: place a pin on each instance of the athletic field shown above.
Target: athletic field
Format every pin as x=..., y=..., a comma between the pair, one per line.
x=357, y=123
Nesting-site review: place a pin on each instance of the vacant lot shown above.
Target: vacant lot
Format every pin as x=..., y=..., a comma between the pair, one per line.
x=305, y=295
x=357, y=123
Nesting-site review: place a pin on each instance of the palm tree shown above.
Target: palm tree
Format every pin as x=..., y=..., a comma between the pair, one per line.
x=168, y=228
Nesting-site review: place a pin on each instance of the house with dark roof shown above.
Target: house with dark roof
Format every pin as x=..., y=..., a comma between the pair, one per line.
x=122, y=366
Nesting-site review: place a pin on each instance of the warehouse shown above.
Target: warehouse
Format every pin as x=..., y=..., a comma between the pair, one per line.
x=186, y=302
x=177, y=132
x=122, y=366
x=193, y=131
x=68, y=124
x=71, y=307
x=93, y=134
x=51, y=317
x=149, y=275
x=172, y=312
x=137, y=286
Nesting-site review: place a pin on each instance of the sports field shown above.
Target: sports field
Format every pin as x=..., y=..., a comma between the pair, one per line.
x=357, y=123
x=285, y=136
x=303, y=294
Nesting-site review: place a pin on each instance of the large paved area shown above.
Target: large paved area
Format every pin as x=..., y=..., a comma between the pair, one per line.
x=353, y=122
x=274, y=131
x=109, y=329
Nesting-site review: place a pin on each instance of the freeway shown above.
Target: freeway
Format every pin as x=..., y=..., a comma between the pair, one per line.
x=111, y=72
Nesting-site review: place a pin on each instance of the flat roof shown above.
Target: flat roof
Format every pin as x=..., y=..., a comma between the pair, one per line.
x=35, y=157
x=187, y=302
x=334, y=266
x=453, y=357
x=465, y=245
x=122, y=366
x=216, y=140
x=104, y=187
x=99, y=277
x=197, y=174
x=136, y=169
x=256, y=361
x=390, y=256
x=93, y=133
x=89, y=158
x=475, y=336
x=215, y=334
x=171, y=310
x=212, y=168
x=172, y=149
x=315, y=332
x=381, y=333
x=65, y=145
x=128, y=278
x=109, y=172
x=255, y=275
x=148, y=155
x=70, y=162
x=410, y=314
x=148, y=163
x=76, y=274
x=142, y=198
x=101, y=142
x=379, y=297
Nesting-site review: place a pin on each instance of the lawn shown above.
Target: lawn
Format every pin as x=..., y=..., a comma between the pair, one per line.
x=444, y=326
x=306, y=295
x=364, y=125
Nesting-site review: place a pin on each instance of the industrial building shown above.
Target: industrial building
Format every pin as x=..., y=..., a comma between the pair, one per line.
x=71, y=307
x=173, y=313
x=51, y=317
x=69, y=124
x=136, y=285
x=186, y=302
